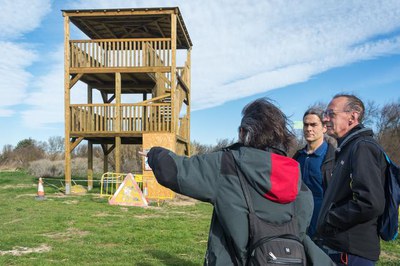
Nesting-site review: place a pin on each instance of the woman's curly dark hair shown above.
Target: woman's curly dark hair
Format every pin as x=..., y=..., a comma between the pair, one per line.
x=265, y=126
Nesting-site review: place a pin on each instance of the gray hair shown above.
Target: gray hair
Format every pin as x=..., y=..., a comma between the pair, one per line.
x=315, y=111
x=354, y=104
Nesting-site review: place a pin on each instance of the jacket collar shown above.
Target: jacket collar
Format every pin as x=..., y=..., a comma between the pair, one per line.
x=359, y=130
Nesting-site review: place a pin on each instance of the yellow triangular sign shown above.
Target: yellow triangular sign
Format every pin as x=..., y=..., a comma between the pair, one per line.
x=128, y=194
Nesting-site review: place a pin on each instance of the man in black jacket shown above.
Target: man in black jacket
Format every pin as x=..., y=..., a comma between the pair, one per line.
x=355, y=197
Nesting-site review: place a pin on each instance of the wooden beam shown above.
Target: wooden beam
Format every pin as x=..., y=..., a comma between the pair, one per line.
x=117, y=13
x=159, y=29
x=75, y=142
x=74, y=79
x=107, y=151
x=90, y=166
x=184, y=32
x=89, y=70
x=109, y=31
x=118, y=154
x=174, y=112
x=89, y=27
x=111, y=98
x=67, y=115
x=104, y=96
x=141, y=26
x=105, y=158
x=155, y=99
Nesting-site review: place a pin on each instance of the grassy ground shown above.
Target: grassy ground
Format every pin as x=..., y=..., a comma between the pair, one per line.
x=86, y=230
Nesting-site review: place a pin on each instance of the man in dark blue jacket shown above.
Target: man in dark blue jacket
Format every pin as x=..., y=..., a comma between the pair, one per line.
x=354, y=199
x=316, y=161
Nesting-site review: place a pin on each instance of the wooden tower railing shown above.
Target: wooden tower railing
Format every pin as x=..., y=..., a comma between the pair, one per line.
x=135, y=118
x=110, y=53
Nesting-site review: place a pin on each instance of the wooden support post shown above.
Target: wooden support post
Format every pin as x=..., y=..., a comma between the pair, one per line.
x=105, y=160
x=117, y=154
x=67, y=106
x=90, y=165
x=188, y=84
x=174, y=113
x=90, y=143
x=118, y=122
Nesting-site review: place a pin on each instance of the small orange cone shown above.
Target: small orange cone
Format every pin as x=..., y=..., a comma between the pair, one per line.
x=40, y=193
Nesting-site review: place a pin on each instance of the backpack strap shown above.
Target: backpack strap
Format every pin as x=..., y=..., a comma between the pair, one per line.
x=369, y=141
x=243, y=184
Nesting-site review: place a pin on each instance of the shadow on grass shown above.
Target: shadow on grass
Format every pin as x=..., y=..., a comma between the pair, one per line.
x=165, y=258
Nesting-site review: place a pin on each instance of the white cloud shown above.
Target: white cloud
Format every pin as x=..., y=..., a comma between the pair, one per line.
x=18, y=17
x=21, y=16
x=242, y=48
x=14, y=77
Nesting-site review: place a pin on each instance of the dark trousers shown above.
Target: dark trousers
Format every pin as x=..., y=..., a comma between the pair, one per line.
x=346, y=259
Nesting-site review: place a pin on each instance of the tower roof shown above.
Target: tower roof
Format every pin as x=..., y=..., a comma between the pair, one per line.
x=130, y=23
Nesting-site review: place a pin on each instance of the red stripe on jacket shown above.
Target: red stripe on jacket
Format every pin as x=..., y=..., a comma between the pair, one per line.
x=284, y=179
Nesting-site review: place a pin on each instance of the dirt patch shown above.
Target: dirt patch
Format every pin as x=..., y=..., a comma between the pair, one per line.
x=104, y=214
x=18, y=186
x=67, y=235
x=147, y=216
x=181, y=200
x=69, y=202
x=388, y=256
x=25, y=195
x=6, y=169
x=19, y=251
x=59, y=195
x=14, y=221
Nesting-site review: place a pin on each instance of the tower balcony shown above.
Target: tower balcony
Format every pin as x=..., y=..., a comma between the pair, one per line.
x=129, y=119
x=101, y=55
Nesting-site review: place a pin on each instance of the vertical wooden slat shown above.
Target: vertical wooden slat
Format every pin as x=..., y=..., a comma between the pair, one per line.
x=135, y=118
x=113, y=54
x=159, y=118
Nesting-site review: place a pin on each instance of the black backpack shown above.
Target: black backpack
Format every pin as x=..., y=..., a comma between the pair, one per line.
x=271, y=244
x=388, y=222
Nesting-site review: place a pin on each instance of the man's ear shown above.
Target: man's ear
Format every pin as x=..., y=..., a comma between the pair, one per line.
x=354, y=117
x=324, y=129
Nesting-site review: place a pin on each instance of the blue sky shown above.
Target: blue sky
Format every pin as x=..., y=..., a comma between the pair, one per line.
x=295, y=52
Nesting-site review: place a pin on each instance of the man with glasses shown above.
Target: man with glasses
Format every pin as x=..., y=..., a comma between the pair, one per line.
x=354, y=199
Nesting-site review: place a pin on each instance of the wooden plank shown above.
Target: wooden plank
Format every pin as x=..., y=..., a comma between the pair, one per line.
x=67, y=115
x=118, y=154
x=174, y=113
x=112, y=12
x=142, y=69
x=90, y=166
x=118, y=101
x=75, y=143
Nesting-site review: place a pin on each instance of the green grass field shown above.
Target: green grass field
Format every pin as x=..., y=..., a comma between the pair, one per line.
x=86, y=230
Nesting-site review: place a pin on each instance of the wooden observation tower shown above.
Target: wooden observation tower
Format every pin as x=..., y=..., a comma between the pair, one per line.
x=137, y=62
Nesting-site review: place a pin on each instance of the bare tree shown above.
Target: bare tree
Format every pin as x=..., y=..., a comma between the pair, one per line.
x=55, y=147
x=389, y=130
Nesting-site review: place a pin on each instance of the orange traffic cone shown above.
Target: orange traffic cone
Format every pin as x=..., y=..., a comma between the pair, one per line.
x=40, y=193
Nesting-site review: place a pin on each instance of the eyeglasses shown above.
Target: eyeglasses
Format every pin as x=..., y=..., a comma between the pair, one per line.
x=330, y=113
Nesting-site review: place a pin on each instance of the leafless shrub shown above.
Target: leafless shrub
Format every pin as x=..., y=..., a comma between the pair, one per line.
x=49, y=168
x=46, y=168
